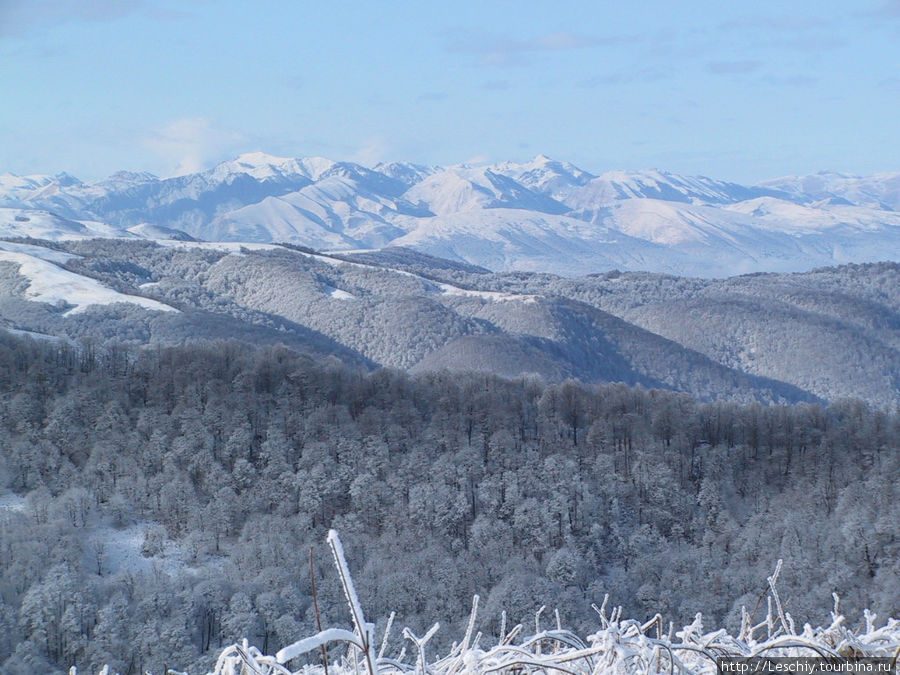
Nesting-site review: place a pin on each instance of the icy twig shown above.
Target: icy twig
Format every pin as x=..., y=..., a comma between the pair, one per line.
x=364, y=630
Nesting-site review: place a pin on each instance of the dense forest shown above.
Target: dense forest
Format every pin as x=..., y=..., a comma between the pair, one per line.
x=159, y=503
x=774, y=338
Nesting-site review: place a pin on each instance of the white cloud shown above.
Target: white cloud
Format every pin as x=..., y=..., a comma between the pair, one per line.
x=372, y=151
x=192, y=144
x=478, y=159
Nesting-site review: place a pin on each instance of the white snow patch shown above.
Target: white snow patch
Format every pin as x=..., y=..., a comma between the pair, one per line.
x=337, y=262
x=121, y=551
x=439, y=287
x=54, y=285
x=12, y=502
x=338, y=294
x=41, y=252
x=493, y=296
x=122, y=548
x=351, y=251
x=227, y=246
x=42, y=224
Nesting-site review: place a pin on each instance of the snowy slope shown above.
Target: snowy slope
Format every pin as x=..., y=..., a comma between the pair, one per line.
x=464, y=188
x=515, y=239
x=339, y=211
x=406, y=172
x=654, y=184
x=759, y=234
x=821, y=216
x=880, y=190
x=262, y=166
x=277, y=219
x=542, y=174
x=49, y=283
x=14, y=188
x=151, y=231
x=44, y=225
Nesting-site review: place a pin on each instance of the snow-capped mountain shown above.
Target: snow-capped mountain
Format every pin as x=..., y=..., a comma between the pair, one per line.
x=880, y=190
x=496, y=239
x=539, y=215
x=616, y=186
x=266, y=167
x=464, y=188
x=542, y=174
x=405, y=172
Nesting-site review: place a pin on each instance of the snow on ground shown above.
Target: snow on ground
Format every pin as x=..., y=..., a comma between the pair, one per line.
x=493, y=296
x=120, y=550
x=226, y=246
x=16, y=188
x=264, y=166
x=45, y=225
x=782, y=216
x=41, y=252
x=12, y=502
x=54, y=285
x=439, y=287
x=338, y=294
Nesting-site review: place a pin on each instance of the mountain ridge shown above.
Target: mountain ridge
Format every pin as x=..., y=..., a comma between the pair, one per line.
x=773, y=337
x=539, y=215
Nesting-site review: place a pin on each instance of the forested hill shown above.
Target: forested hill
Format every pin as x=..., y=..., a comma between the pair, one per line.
x=821, y=335
x=157, y=506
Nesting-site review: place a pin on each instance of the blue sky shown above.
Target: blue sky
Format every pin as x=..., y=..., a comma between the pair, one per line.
x=736, y=90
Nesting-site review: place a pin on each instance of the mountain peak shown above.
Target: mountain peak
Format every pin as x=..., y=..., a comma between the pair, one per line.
x=132, y=176
x=259, y=158
x=406, y=172
x=263, y=166
x=65, y=179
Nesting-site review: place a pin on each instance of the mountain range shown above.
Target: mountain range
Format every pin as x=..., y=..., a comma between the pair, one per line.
x=543, y=215
x=647, y=278
x=814, y=336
